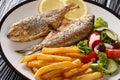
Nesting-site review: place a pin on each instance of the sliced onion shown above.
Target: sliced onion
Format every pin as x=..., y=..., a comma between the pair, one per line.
x=108, y=45
x=105, y=28
x=101, y=28
x=96, y=48
x=93, y=40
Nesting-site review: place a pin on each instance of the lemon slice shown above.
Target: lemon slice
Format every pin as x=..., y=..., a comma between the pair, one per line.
x=78, y=12
x=48, y=5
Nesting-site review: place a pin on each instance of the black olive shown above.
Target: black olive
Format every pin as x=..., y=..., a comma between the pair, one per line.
x=116, y=45
x=101, y=47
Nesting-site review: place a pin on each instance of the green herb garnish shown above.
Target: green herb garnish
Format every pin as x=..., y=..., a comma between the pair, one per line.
x=100, y=23
x=103, y=59
x=83, y=46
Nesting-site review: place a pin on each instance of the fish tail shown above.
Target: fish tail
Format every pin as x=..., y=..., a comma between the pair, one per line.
x=30, y=50
x=68, y=8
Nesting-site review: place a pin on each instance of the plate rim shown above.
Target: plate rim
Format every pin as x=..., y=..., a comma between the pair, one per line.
x=28, y=1
x=1, y=51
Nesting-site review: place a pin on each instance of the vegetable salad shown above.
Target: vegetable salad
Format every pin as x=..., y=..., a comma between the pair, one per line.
x=102, y=48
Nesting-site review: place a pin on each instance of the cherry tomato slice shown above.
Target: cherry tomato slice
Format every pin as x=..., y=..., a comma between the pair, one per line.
x=94, y=39
x=93, y=35
x=113, y=53
x=90, y=57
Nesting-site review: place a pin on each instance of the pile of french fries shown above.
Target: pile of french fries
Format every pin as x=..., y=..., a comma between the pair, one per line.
x=62, y=63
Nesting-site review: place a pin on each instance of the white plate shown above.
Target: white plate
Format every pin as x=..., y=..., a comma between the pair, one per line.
x=26, y=10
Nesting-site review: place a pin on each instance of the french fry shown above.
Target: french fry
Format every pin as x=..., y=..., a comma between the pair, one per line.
x=57, y=78
x=75, y=71
x=51, y=74
x=90, y=76
x=38, y=63
x=53, y=66
x=89, y=70
x=53, y=57
x=77, y=64
x=34, y=69
x=77, y=61
x=72, y=49
x=66, y=79
x=29, y=58
x=60, y=64
x=73, y=55
x=58, y=72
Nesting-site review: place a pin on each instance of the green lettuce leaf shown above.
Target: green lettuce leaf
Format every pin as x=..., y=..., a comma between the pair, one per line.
x=100, y=23
x=83, y=46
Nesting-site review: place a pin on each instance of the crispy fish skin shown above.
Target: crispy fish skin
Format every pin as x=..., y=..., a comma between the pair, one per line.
x=69, y=35
x=37, y=26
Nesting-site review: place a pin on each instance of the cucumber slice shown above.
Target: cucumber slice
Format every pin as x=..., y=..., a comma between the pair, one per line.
x=94, y=66
x=113, y=36
x=112, y=67
x=117, y=61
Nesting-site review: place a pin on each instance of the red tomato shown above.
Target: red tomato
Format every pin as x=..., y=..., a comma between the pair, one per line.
x=93, y=35
x=113, y=53
x=94, y=39
x=90, y=57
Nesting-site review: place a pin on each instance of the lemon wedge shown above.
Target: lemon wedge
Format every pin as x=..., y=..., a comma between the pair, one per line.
x=48, y=5
x=78, y=12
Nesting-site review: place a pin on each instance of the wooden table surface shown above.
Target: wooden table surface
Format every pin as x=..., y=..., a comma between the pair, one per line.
x=6, y=73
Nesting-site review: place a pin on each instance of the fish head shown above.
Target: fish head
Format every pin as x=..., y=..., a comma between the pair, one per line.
x=87, y=18
x=17, y=33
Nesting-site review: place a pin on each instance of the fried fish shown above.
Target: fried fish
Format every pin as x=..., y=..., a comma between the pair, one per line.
x=72, y=33
x=37, y=26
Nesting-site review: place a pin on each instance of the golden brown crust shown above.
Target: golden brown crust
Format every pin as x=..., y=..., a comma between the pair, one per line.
x=68, y=35
x=37, y=26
